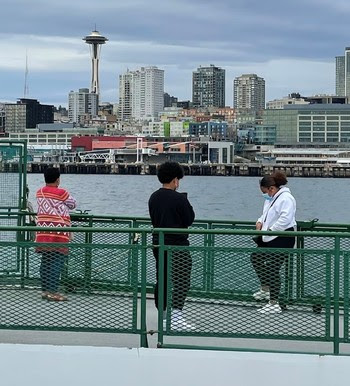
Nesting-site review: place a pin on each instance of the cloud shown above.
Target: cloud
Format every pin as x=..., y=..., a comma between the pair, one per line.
x=292, y=45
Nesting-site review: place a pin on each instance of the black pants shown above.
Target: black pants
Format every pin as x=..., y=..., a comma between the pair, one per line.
x=181, y=266
x=268, y=265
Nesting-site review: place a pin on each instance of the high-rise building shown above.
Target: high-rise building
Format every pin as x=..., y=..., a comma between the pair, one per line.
x=249, y=92
x=80, y=103
x=125, y=102
x=2, y=119
x=26, y=114
x=169, y=100
x=208, y=87
x=145, y=89
x=342, y=74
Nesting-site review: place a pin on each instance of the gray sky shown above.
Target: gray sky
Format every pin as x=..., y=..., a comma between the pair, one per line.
x=292, y=44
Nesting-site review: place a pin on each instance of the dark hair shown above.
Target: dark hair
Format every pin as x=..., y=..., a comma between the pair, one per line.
x=168, y=171
x=51, y=175
x=275, y=179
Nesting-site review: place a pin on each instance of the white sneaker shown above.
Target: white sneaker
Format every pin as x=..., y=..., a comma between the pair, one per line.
x=261, y=295
x=270, y=309
x=178, y=321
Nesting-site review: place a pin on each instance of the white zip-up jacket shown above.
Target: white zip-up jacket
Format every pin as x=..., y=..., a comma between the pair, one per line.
x=278, y=214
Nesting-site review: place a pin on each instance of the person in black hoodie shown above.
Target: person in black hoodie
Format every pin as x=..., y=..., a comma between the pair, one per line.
x=170, y=209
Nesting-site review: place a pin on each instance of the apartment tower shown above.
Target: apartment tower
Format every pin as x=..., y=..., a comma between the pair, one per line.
x=249, y=92
x=208, y=87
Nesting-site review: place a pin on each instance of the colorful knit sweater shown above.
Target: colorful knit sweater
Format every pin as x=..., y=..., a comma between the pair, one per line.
x=53, y=211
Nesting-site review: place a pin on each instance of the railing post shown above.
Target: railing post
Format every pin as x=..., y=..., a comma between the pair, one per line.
x=160, y=287
x=88, y=262
x=209, y=263
x=336, y=295
x=346, y=297
x=143, y=337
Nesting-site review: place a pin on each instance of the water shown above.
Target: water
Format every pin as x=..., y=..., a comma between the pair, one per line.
x=221, y=198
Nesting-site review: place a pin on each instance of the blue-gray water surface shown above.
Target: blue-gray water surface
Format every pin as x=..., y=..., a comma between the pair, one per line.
x=226, y=198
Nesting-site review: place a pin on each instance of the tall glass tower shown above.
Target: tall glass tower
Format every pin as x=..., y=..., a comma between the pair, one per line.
x=342, y=74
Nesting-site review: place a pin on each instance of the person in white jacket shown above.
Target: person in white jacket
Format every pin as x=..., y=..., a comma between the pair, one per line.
x=278, y=215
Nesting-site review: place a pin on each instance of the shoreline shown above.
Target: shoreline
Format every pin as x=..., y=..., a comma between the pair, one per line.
x=231, y=170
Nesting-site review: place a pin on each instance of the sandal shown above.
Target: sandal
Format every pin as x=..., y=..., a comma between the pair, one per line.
x=56, y=298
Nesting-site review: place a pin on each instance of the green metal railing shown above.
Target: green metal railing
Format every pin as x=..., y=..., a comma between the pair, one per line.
x=13, y=174
x=110, y=270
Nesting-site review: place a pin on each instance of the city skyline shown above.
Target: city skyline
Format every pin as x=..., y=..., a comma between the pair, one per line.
x=292, y=47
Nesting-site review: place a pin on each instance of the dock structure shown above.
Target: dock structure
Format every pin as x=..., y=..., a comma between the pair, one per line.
x=236, y=169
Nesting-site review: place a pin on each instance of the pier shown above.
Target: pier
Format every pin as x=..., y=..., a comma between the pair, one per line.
x=237, y=169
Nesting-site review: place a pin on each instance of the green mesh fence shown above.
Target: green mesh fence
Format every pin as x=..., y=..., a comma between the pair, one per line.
x=12, y=175
x=83, y=287
x=210, y=289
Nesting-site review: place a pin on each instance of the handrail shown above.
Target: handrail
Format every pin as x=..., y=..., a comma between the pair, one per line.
x=114, y=263
x=179, y=230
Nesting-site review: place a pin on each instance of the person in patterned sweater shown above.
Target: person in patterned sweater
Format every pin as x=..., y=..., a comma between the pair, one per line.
x=54, y=204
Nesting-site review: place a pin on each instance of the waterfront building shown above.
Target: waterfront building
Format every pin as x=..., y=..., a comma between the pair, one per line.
x=80, y=103
x=314, y=124
x=249, y=92
x=26, y=113
x=291, y=99
x=309, y=156
x=88, y=142
x=220, y=152
x=264, y=135
x=42, y=140
x=208, y=87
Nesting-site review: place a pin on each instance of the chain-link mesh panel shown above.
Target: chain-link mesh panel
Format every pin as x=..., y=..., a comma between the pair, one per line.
x=8, y=220
x=70, y=288
x=9, y=190
x=234, y=304
x=314, y=275
x=10, y=258
x=11, y=183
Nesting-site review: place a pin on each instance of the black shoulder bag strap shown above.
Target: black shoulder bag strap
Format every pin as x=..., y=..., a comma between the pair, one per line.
x=272, y=206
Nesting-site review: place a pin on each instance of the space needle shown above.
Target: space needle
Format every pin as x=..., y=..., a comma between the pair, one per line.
x=95, y=39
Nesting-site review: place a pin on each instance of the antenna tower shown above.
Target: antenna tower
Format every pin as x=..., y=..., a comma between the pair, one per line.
x=26, y=88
